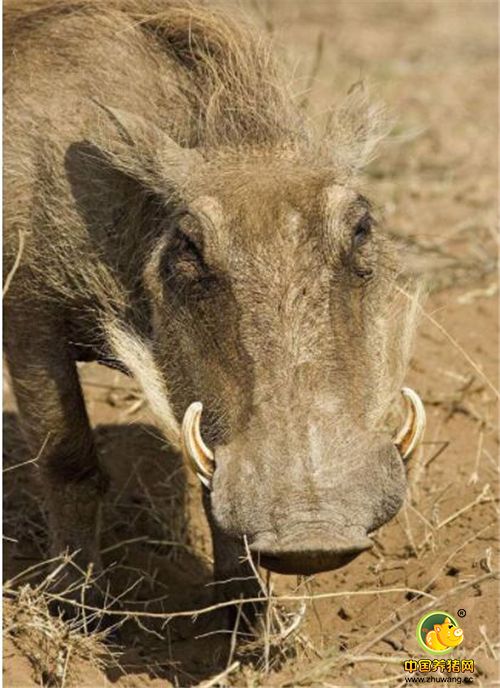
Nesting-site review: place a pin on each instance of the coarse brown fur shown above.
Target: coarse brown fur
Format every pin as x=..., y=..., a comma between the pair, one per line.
x=179, y=219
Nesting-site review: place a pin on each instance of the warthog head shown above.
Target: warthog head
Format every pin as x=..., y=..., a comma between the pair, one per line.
x=271, y=288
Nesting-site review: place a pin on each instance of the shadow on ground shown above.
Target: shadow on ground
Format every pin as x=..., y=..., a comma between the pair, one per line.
x=147, y=550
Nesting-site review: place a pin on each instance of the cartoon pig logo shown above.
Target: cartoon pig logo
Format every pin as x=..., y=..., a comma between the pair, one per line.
x=443, y=636
x=439, y=633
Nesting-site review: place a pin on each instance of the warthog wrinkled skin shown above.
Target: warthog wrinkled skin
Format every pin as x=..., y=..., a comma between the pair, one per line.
x=181, y=220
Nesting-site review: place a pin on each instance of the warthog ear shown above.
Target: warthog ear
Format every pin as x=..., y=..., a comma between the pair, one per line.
x=141, y=150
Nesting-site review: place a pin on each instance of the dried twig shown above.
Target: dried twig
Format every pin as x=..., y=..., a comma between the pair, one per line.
x=241, y=601
x=217, y=680
x=34, y=460
x=454, y=342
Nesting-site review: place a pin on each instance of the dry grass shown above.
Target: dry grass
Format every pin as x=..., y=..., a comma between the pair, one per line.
x=52, y=645
x=56, y=647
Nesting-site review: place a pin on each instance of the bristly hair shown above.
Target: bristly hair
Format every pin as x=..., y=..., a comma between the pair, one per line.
x=237, y=95
x=241, y=96
x=235, y=87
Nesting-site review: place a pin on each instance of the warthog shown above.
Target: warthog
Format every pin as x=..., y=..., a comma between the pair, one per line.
x=170, y=212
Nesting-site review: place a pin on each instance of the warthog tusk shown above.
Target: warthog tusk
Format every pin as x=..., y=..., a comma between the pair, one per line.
x=410, y=435
x=199, y=457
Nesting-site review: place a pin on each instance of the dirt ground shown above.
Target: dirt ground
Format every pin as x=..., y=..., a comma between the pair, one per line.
x=434, y=63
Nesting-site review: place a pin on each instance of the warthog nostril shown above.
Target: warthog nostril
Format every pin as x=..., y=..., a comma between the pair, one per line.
x=308, y=558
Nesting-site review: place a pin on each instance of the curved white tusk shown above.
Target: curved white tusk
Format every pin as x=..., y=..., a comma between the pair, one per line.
x=412, y=432
x=199, y=457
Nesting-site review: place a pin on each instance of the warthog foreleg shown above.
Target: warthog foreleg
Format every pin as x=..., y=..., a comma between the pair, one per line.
x=55, y=423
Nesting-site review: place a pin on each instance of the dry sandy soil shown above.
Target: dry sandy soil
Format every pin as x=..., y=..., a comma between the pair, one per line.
x=435, y=64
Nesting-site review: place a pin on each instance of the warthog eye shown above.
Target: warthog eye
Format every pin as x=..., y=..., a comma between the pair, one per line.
x=362, y=230
x=187, y=256
x=183, y=258
x=361, y=260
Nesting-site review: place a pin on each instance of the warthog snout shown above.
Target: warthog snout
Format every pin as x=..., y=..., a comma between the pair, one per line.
x=312, y=552
x=305, y=501
x=324, y=522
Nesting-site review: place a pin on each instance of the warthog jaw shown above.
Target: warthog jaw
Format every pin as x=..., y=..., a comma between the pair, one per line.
x=201, y=459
